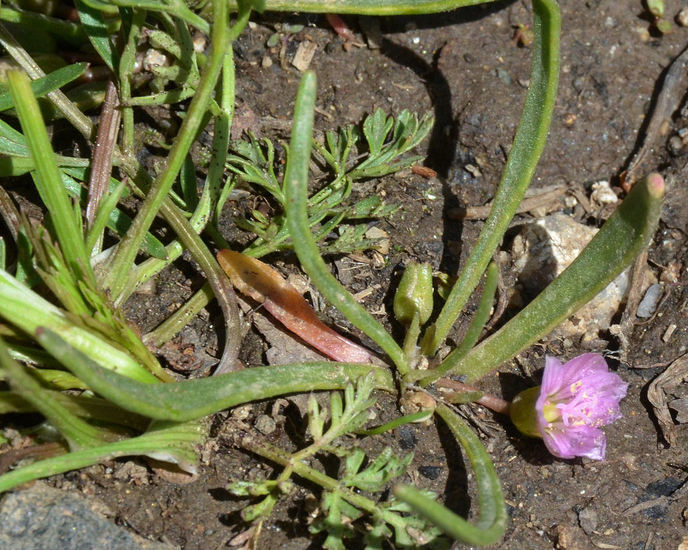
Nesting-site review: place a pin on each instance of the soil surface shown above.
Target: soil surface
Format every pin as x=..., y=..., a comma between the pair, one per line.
x=469, y=70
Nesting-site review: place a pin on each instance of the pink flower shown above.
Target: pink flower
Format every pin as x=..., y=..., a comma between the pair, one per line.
x=575, y=399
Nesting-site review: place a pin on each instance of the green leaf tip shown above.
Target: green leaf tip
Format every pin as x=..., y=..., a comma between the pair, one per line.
x=618, y=242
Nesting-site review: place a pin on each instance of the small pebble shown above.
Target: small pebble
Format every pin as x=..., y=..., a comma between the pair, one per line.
x=587, y=518
x=148, y=288
x=265, y=424
x=648, y=304
x=407, y=437
x=602, y=193
x=669, y=332
x=675, y=145
x=569, y=119
x=682, y=17
x=430, y=472
x=503, y=76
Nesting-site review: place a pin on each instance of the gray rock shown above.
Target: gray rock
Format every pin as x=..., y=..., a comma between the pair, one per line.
x=543, y=249
x=587, y=519
x=43, y=518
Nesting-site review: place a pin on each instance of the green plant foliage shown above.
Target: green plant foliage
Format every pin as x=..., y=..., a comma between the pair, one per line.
x=388, y=140
x=74, y=336
x=343, y=512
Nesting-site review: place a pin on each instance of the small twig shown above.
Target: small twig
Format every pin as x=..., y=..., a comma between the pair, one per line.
x=45, y=450
x=482, y=212
x=108, y=128
x=670, y=94
x=645, y=505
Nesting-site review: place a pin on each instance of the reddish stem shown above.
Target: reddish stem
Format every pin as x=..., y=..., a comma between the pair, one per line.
x=492, y=402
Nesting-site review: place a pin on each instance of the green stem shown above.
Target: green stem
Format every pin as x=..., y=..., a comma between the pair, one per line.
x=296, y=186
x=130, y=244
x=126, y=69
x=411, y=339
x=492, y=518
x=518, y=172
x=203, y=212
x=171, y=326
x=290, y=464
x=476, y=327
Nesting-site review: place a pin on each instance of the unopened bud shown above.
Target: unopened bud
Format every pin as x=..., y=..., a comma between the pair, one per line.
x=414, y=295
x=523, y=414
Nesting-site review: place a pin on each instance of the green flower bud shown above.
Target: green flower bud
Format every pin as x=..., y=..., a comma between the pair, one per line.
x=414, y=294
x=523, y=414
x=656, y=7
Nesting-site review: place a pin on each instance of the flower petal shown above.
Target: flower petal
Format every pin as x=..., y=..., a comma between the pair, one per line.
x=576, y=398
x=570, y=442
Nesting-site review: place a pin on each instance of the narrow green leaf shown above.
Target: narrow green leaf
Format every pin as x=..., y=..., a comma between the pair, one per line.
x=419, y=416
x=47, y=179
x=492, y=518
x=38, y=22
x=94, y=24
x=103, y=215
x=48, y=83
x=482, y=314
x=296, y=186
x=25, y=309
x=174, y=443
x=118, y=221
x=187, y=180
x=172, y=8
x=78, y=433
x=89, y=408
x=519, y=169
x=192, y=399
x=12, y=142
x=622, y=237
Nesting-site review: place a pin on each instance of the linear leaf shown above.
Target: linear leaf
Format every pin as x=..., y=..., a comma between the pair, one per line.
x=94, y=24
x=192, y=399
x=366, y=7
x=48, y=83
x=492, y=518
x=519, y=169
x=622, y=237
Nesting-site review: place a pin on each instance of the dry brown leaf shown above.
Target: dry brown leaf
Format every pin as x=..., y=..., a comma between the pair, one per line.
x=265, y=285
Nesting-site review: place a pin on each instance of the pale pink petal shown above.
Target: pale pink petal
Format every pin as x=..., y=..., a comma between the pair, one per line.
x=576, y=441
x=579, y=397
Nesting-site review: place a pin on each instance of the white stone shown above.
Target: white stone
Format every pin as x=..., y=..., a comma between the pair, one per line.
x=543, y=250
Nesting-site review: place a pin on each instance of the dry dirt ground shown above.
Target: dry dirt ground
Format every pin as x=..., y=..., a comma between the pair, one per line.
x=466, y=68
